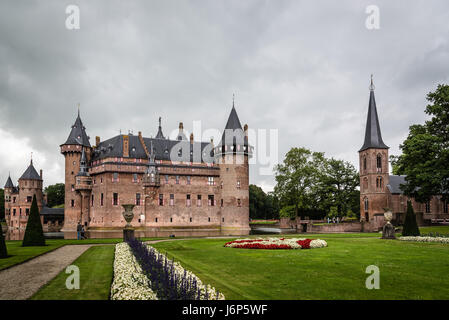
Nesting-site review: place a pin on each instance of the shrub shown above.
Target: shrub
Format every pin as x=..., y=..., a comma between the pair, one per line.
x=34, y=235
x=410, y=226
x=3, y=250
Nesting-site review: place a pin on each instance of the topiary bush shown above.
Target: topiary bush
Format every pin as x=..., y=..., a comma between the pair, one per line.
x=34, y=235
x=410, y=225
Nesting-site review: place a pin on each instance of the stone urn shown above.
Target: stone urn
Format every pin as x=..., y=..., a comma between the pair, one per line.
x=128, y=231
x=388, y=229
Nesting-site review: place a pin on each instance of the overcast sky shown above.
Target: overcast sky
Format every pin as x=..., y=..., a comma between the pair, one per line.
x=301, y=67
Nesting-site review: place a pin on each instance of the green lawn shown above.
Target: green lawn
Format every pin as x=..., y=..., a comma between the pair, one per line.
x=18, y=254
x=407, y=270
x=96, y=271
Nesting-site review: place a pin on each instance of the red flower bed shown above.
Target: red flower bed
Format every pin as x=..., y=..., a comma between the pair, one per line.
x=305, y=244
x=263, y=246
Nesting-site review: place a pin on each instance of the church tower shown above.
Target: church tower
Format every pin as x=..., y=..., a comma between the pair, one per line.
x=232, y=154
x=77, y=143
x=374, y=169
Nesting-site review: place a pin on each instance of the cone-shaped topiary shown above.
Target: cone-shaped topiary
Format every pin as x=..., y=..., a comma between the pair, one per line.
x=3, y=251
x=410, y=226
x=34, y=235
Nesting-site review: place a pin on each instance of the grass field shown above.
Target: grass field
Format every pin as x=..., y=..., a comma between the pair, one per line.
x=18, y=254
x=407, y=270
x=96, y=271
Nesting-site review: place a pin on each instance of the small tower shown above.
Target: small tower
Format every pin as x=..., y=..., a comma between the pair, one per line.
x=232, y=154
x=374, y=169
x=72, y=149
x=83, y=184
x=30, y=184
x=9, y=190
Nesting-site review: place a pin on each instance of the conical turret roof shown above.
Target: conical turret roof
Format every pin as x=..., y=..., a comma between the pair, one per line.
x=9, y=183
x=30, y=173
x=78, y=135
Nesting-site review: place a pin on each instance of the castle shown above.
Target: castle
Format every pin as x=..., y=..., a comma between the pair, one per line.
x=177, y=184
x=18, y=201
x=379, y=190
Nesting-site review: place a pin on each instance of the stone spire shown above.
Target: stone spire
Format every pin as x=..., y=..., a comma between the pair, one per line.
x=9, y=183
x=83, y=165
x=159, y=134
x=373, y=135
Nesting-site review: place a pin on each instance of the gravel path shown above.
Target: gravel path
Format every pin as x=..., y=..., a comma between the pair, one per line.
x=22, y=281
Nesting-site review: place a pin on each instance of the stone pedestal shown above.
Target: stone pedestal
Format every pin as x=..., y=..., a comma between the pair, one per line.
x=128, y=234
x=388, y=231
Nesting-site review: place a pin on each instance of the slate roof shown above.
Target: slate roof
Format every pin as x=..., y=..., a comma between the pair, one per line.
x=162, y=148
x=373, y=135
x=30, y=173
x=52, y=211
x=9, y=183
x=78, y=135
x=395, y=183
x=234, y=129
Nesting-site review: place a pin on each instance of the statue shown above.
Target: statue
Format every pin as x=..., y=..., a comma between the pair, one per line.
x=388, y=229
x=128, y=231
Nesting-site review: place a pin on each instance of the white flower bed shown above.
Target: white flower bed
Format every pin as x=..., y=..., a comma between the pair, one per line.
x=129, y=281
x=425, y=239
x=180, y=272
x=277, y=243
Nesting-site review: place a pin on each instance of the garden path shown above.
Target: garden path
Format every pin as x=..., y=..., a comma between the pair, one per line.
x=20, y=282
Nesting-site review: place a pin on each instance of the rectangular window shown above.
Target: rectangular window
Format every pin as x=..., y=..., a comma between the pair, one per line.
x=208, y=219
x=29, y=199
x=210, y=181
x=161, y=199
x=72, y=203
x=172, y=199
x=102, y=200
x=210, y=200
x=155, y=220
x=13, y=212
x=135, y=177
x=115, y=177
x=137, y=199
x=166, y=179
x=115, y=199
x=171, y=219
x=221, y=203
x=428, y=207
x=239, y=203
x=198, y=200
x=177, y=179
x=188, y=203
x=27, y=211
x=190, y=219
x=92, y=201
x=238, y=184
x=13, y=199
x=188, y=179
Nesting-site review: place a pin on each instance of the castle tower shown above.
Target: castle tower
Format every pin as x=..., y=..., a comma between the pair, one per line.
x=30, y=184
x=232, y=154
x=83, y=184
x=374, y=169
x=9, y=190
x=72, y=149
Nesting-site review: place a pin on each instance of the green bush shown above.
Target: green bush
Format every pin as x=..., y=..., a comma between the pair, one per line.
x=34, y=235
x=3, y=251
x=410, y=225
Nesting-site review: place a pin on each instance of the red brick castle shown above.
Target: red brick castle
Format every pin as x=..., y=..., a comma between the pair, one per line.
x=177, y=184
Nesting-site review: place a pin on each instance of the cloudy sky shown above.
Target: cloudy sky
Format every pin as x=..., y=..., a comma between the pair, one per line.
x=301, y=67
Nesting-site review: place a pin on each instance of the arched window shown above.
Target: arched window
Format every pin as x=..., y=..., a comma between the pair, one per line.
x=366, y=204
x=379, y=182
x=364, y=163
x=365, y=184
x=379, y=163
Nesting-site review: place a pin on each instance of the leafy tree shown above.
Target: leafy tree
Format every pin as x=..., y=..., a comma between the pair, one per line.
x=425, y=152
x=34, y=235
x=262, y=205
x=410, y=225
x=3, y=250
x=2, y=204
x=55, y=194
x=338, y=187
x=296, y=178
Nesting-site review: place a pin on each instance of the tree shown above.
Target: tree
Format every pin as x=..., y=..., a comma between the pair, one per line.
x=296, y=178
x=2, y=204
x=34, y=235
x=425, y=152
x=3, y=250
x=410, y=225
x=338, y=187
x=55, y=194
x=262, y=205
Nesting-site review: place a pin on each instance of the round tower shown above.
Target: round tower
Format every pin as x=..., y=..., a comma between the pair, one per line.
x=30, y=184
x=72, y=150
x=232, y=155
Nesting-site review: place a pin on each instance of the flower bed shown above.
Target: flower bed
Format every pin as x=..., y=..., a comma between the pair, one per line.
x=277, y=243
x=425, y=239
x=168, y=278
x=130, y=283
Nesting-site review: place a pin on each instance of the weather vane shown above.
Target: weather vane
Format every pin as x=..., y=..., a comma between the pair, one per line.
x=371, y=87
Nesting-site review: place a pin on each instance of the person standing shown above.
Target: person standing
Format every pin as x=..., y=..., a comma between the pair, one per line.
x=78, y=230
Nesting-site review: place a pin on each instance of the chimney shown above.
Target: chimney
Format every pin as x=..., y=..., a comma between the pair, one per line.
x=245, y=129
x=125, y=146
x=181, y=126
x=191, y=138
x=41, y=174
x=97, y=141
x=140, y=133
x=212, y=142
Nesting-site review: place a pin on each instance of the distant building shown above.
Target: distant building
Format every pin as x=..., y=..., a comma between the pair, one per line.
x=205, y=187
x=18, y=201
x=380, y=190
